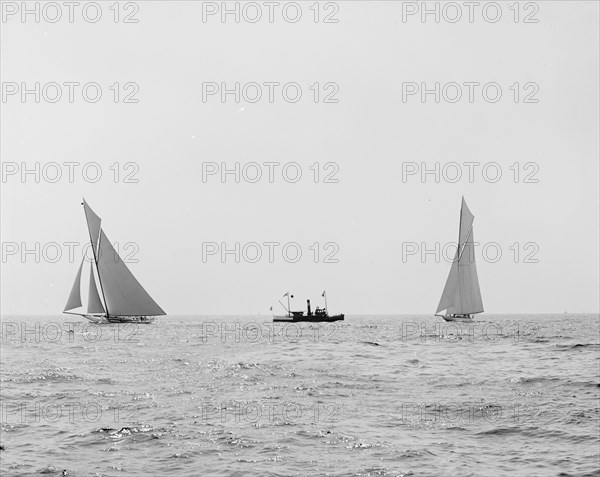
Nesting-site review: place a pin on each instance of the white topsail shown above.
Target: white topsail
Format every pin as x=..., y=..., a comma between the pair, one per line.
x=461, y=295
x=122, y=294
x=93, y=222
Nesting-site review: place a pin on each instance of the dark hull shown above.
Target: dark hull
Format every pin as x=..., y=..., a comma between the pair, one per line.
x=102, y=319
x=308, y=319
x=142, y=320
x=463, y=318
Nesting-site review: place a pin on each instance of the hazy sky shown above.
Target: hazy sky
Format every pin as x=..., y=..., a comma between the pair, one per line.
x=372, y=214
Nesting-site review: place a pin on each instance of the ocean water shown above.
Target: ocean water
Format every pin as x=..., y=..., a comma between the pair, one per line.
x=513, y=395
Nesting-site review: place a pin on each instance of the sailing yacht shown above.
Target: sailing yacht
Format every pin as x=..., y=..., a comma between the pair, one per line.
x=123, y=300
x=461, y=297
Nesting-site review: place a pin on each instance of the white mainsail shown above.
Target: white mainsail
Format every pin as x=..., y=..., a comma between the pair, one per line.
x=122, y=294
x=461, y=295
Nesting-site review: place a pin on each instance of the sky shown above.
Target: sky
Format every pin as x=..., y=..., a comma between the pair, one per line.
x=371, y=228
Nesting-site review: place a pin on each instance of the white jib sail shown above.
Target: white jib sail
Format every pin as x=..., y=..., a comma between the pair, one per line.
x=74, y=300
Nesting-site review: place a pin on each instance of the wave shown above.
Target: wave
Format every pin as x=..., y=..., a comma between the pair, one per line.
x=503, y=431
x=577, y=346
x=147, y=432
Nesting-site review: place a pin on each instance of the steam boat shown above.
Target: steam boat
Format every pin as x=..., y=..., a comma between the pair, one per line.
x=319, y=315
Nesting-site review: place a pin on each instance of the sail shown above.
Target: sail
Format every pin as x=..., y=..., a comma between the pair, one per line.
x=461, y=294
x=123, y=293
x=449, y=293
x=74, y=300
x=466, y=222
x=94, y=302
x=467, y=299
x=93, y=222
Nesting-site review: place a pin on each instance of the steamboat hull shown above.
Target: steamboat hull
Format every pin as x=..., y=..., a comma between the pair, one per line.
x=308, y=319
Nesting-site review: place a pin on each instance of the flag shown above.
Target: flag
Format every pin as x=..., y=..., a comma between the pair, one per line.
x=287, y=293
x=271, y=309
x=323, y=293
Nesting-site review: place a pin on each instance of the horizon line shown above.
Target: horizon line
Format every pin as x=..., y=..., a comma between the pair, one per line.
x=346, y=314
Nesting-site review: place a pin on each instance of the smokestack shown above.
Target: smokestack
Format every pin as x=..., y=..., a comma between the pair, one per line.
x=308, y=304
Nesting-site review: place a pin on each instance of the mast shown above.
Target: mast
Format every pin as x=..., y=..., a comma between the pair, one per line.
x=325, y=296
x=460, y=252
x=95, y=258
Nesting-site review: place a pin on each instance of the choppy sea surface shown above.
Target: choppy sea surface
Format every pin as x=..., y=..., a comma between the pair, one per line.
x=512, y=395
